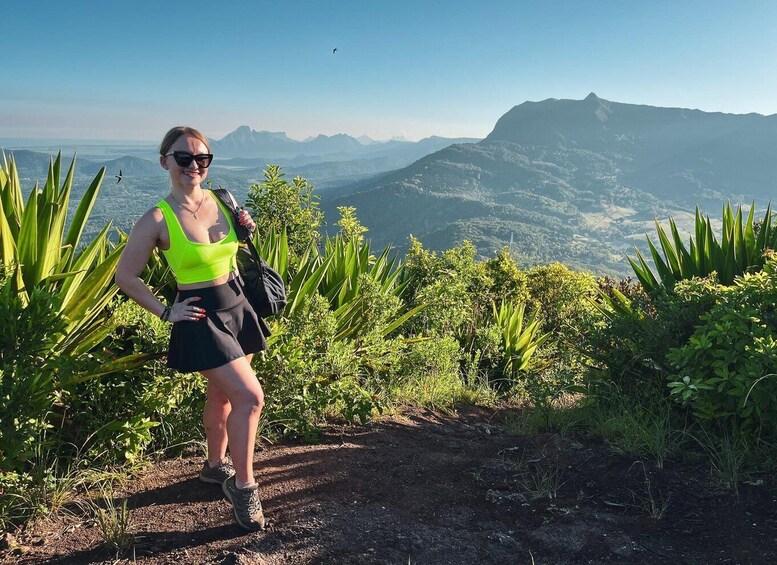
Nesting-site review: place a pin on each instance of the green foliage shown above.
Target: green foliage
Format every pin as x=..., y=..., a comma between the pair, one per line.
x=562, y=298
x=427, y=374
x=55, y=410
x=354, y=282
x=740, y=250
x=350, y=258
x=506, y=280
x=308, y=374
x=28, y=374
x=730, y=454
x=350, y=227
x=519, y=340
x=463, y=295
x=630, y=339
x=724, y=370
x=35, y=245
x=123, y=416
x=113, y=520
x=280, y=206
x=363, y=331
x=446, y=283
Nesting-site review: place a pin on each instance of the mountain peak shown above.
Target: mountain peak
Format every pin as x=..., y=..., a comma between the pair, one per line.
x=592, y=97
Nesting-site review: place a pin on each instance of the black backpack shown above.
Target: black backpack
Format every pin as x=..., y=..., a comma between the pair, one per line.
x=263, y=286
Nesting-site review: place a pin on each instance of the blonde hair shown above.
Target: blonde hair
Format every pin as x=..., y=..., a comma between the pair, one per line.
x=176, y=132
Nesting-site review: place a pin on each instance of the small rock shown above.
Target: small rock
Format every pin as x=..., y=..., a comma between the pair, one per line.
x=7, y=541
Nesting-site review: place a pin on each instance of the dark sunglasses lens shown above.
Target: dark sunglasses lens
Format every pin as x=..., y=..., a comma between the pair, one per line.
x=204, y=160
x=183, y=158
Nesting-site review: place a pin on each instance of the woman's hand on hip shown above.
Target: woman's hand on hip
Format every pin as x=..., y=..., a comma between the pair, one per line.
x=185, y=311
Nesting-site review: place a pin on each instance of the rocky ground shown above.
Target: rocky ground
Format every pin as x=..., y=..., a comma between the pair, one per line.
x=427, y=488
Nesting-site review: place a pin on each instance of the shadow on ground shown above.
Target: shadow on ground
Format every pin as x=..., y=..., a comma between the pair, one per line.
x=428, y=488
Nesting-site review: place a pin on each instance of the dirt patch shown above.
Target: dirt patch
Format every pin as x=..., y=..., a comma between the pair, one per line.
x=432, y=489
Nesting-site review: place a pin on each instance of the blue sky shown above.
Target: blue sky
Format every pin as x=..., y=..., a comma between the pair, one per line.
x=131, y=70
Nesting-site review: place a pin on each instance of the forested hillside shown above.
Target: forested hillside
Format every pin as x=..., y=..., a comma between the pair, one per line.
x=578, y=181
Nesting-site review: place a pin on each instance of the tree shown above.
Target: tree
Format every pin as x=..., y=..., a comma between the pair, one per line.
x=279, y=205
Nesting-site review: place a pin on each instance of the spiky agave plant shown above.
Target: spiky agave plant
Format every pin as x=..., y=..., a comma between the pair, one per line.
x=39, y=253
x=740, y=250
x=520, y=338
x=335, y=273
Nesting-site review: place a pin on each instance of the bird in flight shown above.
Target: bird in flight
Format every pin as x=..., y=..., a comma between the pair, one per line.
x=119, y=177
x=334, y=50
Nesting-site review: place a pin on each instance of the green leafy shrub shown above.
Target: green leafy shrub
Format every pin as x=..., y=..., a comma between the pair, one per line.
x=428, y=374
x=280, y=206
x=630, y=340
x=308, y=374
x=506, y=281
x=562, y=298
x=28, y=374
x=350, y=226
x=487, y=349
x=482, y=304
x=724, y=371
x=446, y=283
x=125, y=414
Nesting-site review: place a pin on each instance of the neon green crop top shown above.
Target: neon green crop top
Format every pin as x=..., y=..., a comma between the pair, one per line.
x=193, y=262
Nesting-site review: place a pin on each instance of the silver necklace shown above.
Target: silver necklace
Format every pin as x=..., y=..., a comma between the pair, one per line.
x=192, y=212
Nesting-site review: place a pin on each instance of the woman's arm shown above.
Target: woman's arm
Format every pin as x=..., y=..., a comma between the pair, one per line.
x=141, y=243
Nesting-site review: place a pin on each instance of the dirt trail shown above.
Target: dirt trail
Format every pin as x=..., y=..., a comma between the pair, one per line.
x=430, y=489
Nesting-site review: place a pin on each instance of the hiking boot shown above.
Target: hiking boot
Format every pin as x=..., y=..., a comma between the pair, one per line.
x=246, y=505
x=217, y=474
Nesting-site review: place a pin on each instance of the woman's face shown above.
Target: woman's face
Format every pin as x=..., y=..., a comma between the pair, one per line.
x=191, y=176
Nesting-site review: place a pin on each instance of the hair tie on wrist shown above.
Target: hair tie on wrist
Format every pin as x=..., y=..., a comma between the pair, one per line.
x=166, y=313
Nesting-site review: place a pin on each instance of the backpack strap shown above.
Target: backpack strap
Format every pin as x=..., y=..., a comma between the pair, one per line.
x=228, y=200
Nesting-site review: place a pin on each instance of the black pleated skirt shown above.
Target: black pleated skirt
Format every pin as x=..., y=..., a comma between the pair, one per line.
x=229, y=330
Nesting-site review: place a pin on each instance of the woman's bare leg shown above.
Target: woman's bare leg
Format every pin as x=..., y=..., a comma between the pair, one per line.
x=238, y=382
x=214, y=417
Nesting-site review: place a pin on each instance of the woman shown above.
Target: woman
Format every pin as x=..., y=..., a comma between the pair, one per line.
x=214, y=331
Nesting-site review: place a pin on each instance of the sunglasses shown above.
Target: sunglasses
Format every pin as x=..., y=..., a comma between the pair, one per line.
x=184, y=159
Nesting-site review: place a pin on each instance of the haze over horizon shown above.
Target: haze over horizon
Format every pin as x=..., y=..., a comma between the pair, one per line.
x=412, y=69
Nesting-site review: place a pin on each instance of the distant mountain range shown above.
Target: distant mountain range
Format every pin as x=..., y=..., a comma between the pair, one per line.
x=241, y=156
x=573, y=180
x=245, y=152
x=578, y=181
x=247, y=143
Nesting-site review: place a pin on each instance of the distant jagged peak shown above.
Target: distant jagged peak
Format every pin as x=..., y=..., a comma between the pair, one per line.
x=334, y=136
x=246, y=132
x=600, y=107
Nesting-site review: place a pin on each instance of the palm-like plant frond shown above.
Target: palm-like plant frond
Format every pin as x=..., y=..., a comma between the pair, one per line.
x=738, y=251
x=40, y=254
x=520, y=338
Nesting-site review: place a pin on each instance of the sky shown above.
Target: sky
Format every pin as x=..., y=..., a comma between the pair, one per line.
x=131, y=70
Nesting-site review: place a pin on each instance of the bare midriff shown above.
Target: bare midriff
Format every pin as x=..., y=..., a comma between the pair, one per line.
x=215, y=282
